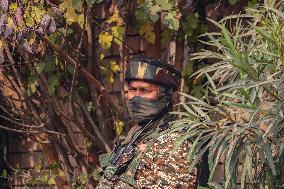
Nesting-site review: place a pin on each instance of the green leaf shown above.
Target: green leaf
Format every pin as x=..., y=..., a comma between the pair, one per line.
x=191, y=24
x=4, y=173
x=269, y=157
x=215, y=157
x=155, y=9
x=166, y=35
x=239, y=105
x=82, y=178
x=33, y=181
x=44, y=178
x=201, y=150
x=193, y=149
x=178, y=142
x=76, y=3
x=244, y=171
x=189, y=110
x=202, y=187
x=78, y=112
x=54, y=166
x=32, y=85
x=51, y=90
x=39, y=67
x=188, y=70
x=165, y=4
x=37, y=167
x=154, y=17
x=90, y=106
x=148, y=31
x=70, y=69
x=215, y=185
x=53, y=82
x=96, y=175
x=50, y=66
x=91, y=2
x=170, y=21
x=232, y=2
x=155, y=13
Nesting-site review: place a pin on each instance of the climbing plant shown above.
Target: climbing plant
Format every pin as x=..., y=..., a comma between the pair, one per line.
x=54, y=72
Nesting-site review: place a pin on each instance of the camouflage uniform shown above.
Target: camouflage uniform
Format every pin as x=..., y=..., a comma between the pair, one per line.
x=150, y=161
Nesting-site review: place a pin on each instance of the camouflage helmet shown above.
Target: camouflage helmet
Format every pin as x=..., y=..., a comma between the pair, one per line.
x=154, y=71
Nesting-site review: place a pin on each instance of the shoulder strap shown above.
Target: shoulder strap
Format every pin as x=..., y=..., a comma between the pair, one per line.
x=129, y=174
x=109, y=161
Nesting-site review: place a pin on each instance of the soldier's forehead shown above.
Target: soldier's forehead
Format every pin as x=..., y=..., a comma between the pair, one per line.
x=139, y=83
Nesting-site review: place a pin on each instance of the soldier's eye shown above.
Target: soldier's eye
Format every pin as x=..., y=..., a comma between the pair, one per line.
x=132, y=90
x=145, y=91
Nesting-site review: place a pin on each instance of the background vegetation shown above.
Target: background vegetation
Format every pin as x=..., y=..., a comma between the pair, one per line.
x=56, y=66
x=239, y=119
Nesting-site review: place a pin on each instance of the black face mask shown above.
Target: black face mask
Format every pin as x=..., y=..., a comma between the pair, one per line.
x=143, y=109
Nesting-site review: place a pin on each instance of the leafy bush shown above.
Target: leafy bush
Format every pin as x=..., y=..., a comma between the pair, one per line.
x=240, y=120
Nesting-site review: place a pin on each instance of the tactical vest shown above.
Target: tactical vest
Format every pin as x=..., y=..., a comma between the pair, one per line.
x=126, y=172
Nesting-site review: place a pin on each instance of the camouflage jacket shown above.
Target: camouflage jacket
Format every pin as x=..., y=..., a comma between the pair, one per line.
x=154, y=164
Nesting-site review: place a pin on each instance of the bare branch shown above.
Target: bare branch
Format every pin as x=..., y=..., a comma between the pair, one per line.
x=98, y=133
x=84, y=72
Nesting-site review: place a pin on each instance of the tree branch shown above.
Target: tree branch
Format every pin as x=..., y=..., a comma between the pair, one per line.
x=93, y=124
x=84, y=72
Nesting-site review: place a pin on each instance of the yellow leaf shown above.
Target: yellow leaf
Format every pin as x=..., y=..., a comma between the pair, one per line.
x=37, y=168
x=70, y=14
x=102, y=56
x=37, y=13
x=147, y=31
x=150, y=37
x=51, y=181
x=103, y=70
x=80, y=20
x=117, y=32
x=110, y=77
x=119, y=125
x=1, y=44
x=61, y=173
x=31, y=40
x=33, y=15
x=70, y=20
x=30, y=21
x=114, y=66
x=115, y=18
x=63, y=6
x=105, y=40
x=13, y=7
x=10, y=22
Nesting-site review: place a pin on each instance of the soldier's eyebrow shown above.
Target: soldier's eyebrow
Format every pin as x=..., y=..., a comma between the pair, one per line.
x=143, y=89
x=132, y=88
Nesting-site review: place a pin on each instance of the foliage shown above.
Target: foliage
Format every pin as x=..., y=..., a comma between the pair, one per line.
x=55, y=66
x=56, y=63
x=41, y=174
x=150, y=11
x=239, y=120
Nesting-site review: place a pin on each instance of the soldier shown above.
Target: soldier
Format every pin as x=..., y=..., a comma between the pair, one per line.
x=146, y=158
